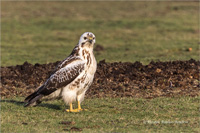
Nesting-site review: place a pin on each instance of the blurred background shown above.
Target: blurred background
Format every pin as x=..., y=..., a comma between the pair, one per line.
x=44, y=32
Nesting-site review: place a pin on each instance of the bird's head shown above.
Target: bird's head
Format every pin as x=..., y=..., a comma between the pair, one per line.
x=87, y=39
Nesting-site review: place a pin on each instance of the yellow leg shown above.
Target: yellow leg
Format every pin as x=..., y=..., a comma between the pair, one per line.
x=79, y=106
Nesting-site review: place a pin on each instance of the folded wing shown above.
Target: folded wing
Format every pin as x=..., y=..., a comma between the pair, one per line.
x=64, y=75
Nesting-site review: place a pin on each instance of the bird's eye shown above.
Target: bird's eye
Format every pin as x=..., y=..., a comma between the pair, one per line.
x=93, y=38
x=85, y=38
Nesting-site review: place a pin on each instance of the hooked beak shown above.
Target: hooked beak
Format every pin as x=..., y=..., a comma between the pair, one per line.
x=90, y=40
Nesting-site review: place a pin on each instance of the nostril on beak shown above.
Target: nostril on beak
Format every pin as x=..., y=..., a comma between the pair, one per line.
x=90, y=40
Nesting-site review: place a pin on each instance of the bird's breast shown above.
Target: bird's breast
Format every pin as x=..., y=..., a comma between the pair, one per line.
x=84, y=80
x=90, y=60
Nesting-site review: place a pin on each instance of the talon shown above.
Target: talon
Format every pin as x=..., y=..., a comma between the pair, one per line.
x=79, y=109
x=71, y=109
x=74, y=110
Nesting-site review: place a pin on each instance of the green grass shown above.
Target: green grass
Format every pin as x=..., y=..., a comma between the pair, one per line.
x=43, y=32
x=104, y=115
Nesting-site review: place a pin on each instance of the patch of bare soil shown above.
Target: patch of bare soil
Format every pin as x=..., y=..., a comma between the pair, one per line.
x=170, y=79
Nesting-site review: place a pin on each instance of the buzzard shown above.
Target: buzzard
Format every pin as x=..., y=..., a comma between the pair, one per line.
x=71, y=78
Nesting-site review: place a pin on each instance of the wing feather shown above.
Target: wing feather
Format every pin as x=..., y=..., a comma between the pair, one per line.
x=65, y=73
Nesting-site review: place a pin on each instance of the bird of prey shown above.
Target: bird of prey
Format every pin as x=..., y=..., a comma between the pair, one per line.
x=71, y=78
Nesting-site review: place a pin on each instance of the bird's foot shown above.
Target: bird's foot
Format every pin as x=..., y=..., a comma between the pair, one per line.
x=75, y=110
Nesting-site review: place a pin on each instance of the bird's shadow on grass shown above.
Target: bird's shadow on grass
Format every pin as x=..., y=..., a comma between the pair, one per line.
x=20, y=103
x=50, y=106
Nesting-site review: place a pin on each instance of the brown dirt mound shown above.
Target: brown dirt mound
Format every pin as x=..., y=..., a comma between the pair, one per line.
x=116, y=79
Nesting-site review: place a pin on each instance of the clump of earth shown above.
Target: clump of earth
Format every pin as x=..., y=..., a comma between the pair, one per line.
x=117, y=79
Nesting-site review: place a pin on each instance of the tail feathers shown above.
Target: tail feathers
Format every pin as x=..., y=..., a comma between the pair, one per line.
x=33, y=99
x=30, y=97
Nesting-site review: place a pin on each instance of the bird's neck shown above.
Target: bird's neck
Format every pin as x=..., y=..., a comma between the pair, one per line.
x=83, y=51
x=86, y=50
